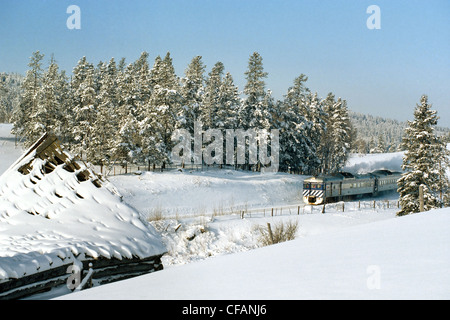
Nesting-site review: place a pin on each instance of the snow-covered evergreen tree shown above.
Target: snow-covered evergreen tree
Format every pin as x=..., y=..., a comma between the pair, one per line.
x=337, y=138
x=105, y=122
x=254, y=112
x=381, y=146
x=4, y=114
x=425, y=162
x=192, y=90
x=84, y=109
x=211, y=103
x=297, y=149
x=24, y=126
x=164, y=109
x=229, y=102
x=48, y=116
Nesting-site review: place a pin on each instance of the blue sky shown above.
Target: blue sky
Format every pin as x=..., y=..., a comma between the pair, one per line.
x=383, y=72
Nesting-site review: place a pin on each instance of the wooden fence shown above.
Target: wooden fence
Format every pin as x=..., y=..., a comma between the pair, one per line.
x=288, y=210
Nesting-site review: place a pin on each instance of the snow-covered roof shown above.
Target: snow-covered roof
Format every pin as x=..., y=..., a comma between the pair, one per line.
x=54, y=210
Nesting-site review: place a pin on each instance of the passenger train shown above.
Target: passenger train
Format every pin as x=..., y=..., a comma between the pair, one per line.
x=344, y=185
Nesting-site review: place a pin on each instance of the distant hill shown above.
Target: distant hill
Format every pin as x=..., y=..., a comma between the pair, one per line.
x=10, y=90
x=371, y=129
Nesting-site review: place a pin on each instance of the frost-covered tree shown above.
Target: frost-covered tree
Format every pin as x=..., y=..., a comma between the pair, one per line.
x=255, y=111
x=49, y=114
x=84, y=109
x=258, y=106
x=211, y=103
x=23, y=124
x=337, y=138
x=106, y=120
x=4, y=114
x=10, y=93
x=425, y=162
x=229, y=103
x=381, y=145
x=164, y=109
x=192, y=90
x=297, y=149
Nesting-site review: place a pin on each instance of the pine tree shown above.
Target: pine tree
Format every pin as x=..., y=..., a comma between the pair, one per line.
x=381, y=146
x=297, y=149
x=229, y=102
x=48, y=114
x=4, y=114
x=425, y=162
x=85, y=108
x=337, y=138
x=24, y=125
x=211, y=103
x=105, y=122
x=163, y=111
x=254, y=113
x=192, y=90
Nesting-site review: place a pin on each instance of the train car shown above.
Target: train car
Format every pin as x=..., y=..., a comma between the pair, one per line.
x=344, y=185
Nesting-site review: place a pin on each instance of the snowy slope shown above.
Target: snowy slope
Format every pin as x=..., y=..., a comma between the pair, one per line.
x=401, y=258
x=205, y=192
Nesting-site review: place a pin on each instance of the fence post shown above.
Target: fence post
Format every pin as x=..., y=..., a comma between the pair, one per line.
x=323, y=209
x=272, y=212
x=298, y=210
x=270, y=232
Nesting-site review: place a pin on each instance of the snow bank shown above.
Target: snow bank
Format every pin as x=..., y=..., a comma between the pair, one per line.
x=401, y=258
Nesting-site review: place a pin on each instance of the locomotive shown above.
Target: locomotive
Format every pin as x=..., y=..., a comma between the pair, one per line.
x=344, y=185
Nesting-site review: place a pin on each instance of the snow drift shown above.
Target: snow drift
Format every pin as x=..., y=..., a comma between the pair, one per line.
x=400, y=258
x=55, y=211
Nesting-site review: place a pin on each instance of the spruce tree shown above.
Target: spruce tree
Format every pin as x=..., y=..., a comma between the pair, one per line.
x=47, y=115
x=211, y=99
x=337, y=139
x=24, y=125
x=85, y=108
x=164, y=109
x=297, y=148
x=192, y=90
x=255, y=113
x=105, y=122
x=4, y=114
x=425, y=162
x=229, y=102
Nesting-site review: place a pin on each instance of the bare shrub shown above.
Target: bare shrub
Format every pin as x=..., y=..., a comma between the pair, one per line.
x=281, y=231
x=155, y=214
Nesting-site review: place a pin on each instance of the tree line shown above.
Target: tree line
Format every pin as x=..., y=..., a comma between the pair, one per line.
x=116, y=111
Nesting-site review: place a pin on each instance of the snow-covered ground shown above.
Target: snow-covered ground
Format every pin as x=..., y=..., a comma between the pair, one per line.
x=362, y=253
x=399, y=258
x=8, y=151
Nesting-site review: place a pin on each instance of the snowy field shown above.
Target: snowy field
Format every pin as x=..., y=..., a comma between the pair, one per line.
x=214, y=252
x=398, y=258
